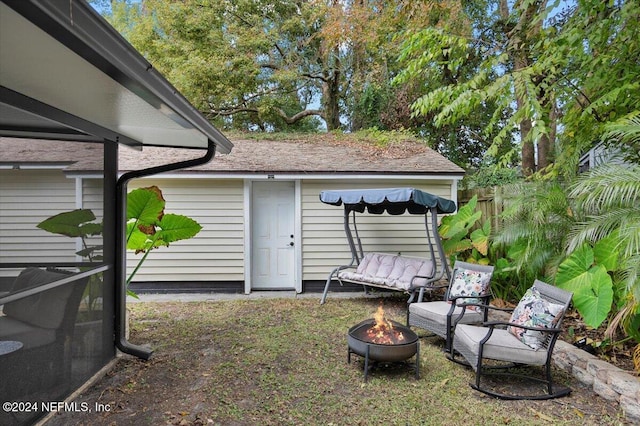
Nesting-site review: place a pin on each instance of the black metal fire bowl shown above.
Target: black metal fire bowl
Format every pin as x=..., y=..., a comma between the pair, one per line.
x=359, y=344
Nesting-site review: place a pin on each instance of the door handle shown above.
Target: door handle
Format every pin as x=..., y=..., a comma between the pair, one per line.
x=291, y=243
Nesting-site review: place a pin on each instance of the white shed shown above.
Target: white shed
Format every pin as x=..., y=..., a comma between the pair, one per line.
x=264, y=227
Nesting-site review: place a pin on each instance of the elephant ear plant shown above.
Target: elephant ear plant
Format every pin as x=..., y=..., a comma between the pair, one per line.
x=459, y=238
x=148, y=226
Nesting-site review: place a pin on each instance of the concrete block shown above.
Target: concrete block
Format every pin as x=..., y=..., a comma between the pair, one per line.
x=624, y=383
x=561, y=361
x=577, y=359
x=601, y=369
x=630, y=408
x=605, y=391
x=582, y=375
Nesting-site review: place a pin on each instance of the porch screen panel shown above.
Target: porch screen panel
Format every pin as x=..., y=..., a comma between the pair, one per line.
x=56, y=291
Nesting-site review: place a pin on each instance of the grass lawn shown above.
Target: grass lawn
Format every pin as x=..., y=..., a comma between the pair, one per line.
x=284, y=362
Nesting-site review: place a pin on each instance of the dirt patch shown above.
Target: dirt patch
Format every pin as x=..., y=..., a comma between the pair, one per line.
x=283, y=361
x=594, y=341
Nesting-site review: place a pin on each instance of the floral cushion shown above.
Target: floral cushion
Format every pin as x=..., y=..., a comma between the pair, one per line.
x=471, y=283
x=534, y=311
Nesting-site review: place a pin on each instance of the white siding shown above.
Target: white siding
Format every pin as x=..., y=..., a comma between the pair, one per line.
x=598, y=155
x=324, y=242
x=27, y=197
x=92, y=198
x=217, y=252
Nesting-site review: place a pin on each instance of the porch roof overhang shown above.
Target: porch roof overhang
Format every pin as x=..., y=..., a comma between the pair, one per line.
x=65, y=73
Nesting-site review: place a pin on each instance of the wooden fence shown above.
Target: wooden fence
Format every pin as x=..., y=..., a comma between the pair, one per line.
x=490, y=203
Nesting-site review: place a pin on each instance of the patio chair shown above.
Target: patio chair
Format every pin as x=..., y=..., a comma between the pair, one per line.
x=469, y=284
x=526, y=340
x=44, y=324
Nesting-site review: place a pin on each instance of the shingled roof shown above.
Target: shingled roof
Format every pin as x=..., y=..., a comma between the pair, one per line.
x=315, y=155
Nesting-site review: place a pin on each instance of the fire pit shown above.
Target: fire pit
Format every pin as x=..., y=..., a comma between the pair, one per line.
x=383, y=340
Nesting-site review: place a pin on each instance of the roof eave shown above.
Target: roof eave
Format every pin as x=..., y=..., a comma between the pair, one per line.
x=75, y=26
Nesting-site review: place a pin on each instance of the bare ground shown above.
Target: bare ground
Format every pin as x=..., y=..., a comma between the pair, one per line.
x=283, y=361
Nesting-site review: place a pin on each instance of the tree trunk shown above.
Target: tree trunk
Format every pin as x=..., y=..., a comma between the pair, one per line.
x=330, y=97
x=528, y=149
x=359, y=71
x=520, y=38
x=547, y=142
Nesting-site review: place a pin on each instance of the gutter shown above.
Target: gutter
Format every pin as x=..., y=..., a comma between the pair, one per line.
x=121, y=248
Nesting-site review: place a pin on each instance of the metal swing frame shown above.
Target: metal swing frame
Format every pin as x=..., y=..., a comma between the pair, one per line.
x=394, y=201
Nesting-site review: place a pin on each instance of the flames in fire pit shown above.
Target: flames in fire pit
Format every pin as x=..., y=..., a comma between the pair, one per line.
x=384, y=340
x=382, y=331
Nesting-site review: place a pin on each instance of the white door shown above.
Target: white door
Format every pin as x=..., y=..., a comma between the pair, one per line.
x=272, y=236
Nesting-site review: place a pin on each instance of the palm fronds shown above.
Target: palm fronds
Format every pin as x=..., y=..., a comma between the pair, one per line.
x=610, y=198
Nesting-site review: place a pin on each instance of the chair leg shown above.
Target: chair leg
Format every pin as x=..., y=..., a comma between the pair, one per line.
x=559, y=391
x=326, y=290
x=547, y=369
x=478, y=371
x=418, y=360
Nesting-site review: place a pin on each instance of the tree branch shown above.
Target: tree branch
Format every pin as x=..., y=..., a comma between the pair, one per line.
x=299, y=116
x=226, y=112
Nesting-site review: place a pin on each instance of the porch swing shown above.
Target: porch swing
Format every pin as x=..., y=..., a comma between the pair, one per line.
x=411, y=275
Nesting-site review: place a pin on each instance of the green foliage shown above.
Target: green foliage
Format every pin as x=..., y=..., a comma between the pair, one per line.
x=145, y=206
x=586, y=236
x=380, y=137
x=624, y=135
x=370, y=105
x=246, y=65
x=505, y=284
x=79, y=224
x=480, y=241
x=598, y=41
x=148, y=227
x=609, y=196
x=269, y=65
x=458, y=238
x=543, y=64
x=76, y=223
x=529, y=243
x=490, y=176
x=440, y=62
x=590, y=283
x=536, y=220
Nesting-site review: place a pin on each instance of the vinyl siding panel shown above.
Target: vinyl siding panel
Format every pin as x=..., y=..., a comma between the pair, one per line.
x=93, y=198
x=217, y=252
x=27, y=197
x=93, y=195
x=325, y=245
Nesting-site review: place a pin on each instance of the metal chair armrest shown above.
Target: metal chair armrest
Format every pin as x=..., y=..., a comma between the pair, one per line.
x=526, y=327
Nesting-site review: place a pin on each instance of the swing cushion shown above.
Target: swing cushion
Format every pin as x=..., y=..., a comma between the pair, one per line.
x=392, y=271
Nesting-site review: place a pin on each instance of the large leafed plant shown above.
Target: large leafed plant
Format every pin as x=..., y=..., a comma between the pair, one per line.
x=148, y=226
x=586, y=273
x=459, y=240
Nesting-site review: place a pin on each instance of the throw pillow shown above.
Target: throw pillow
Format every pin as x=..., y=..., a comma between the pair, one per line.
x=534, y=311
x=467, y=282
